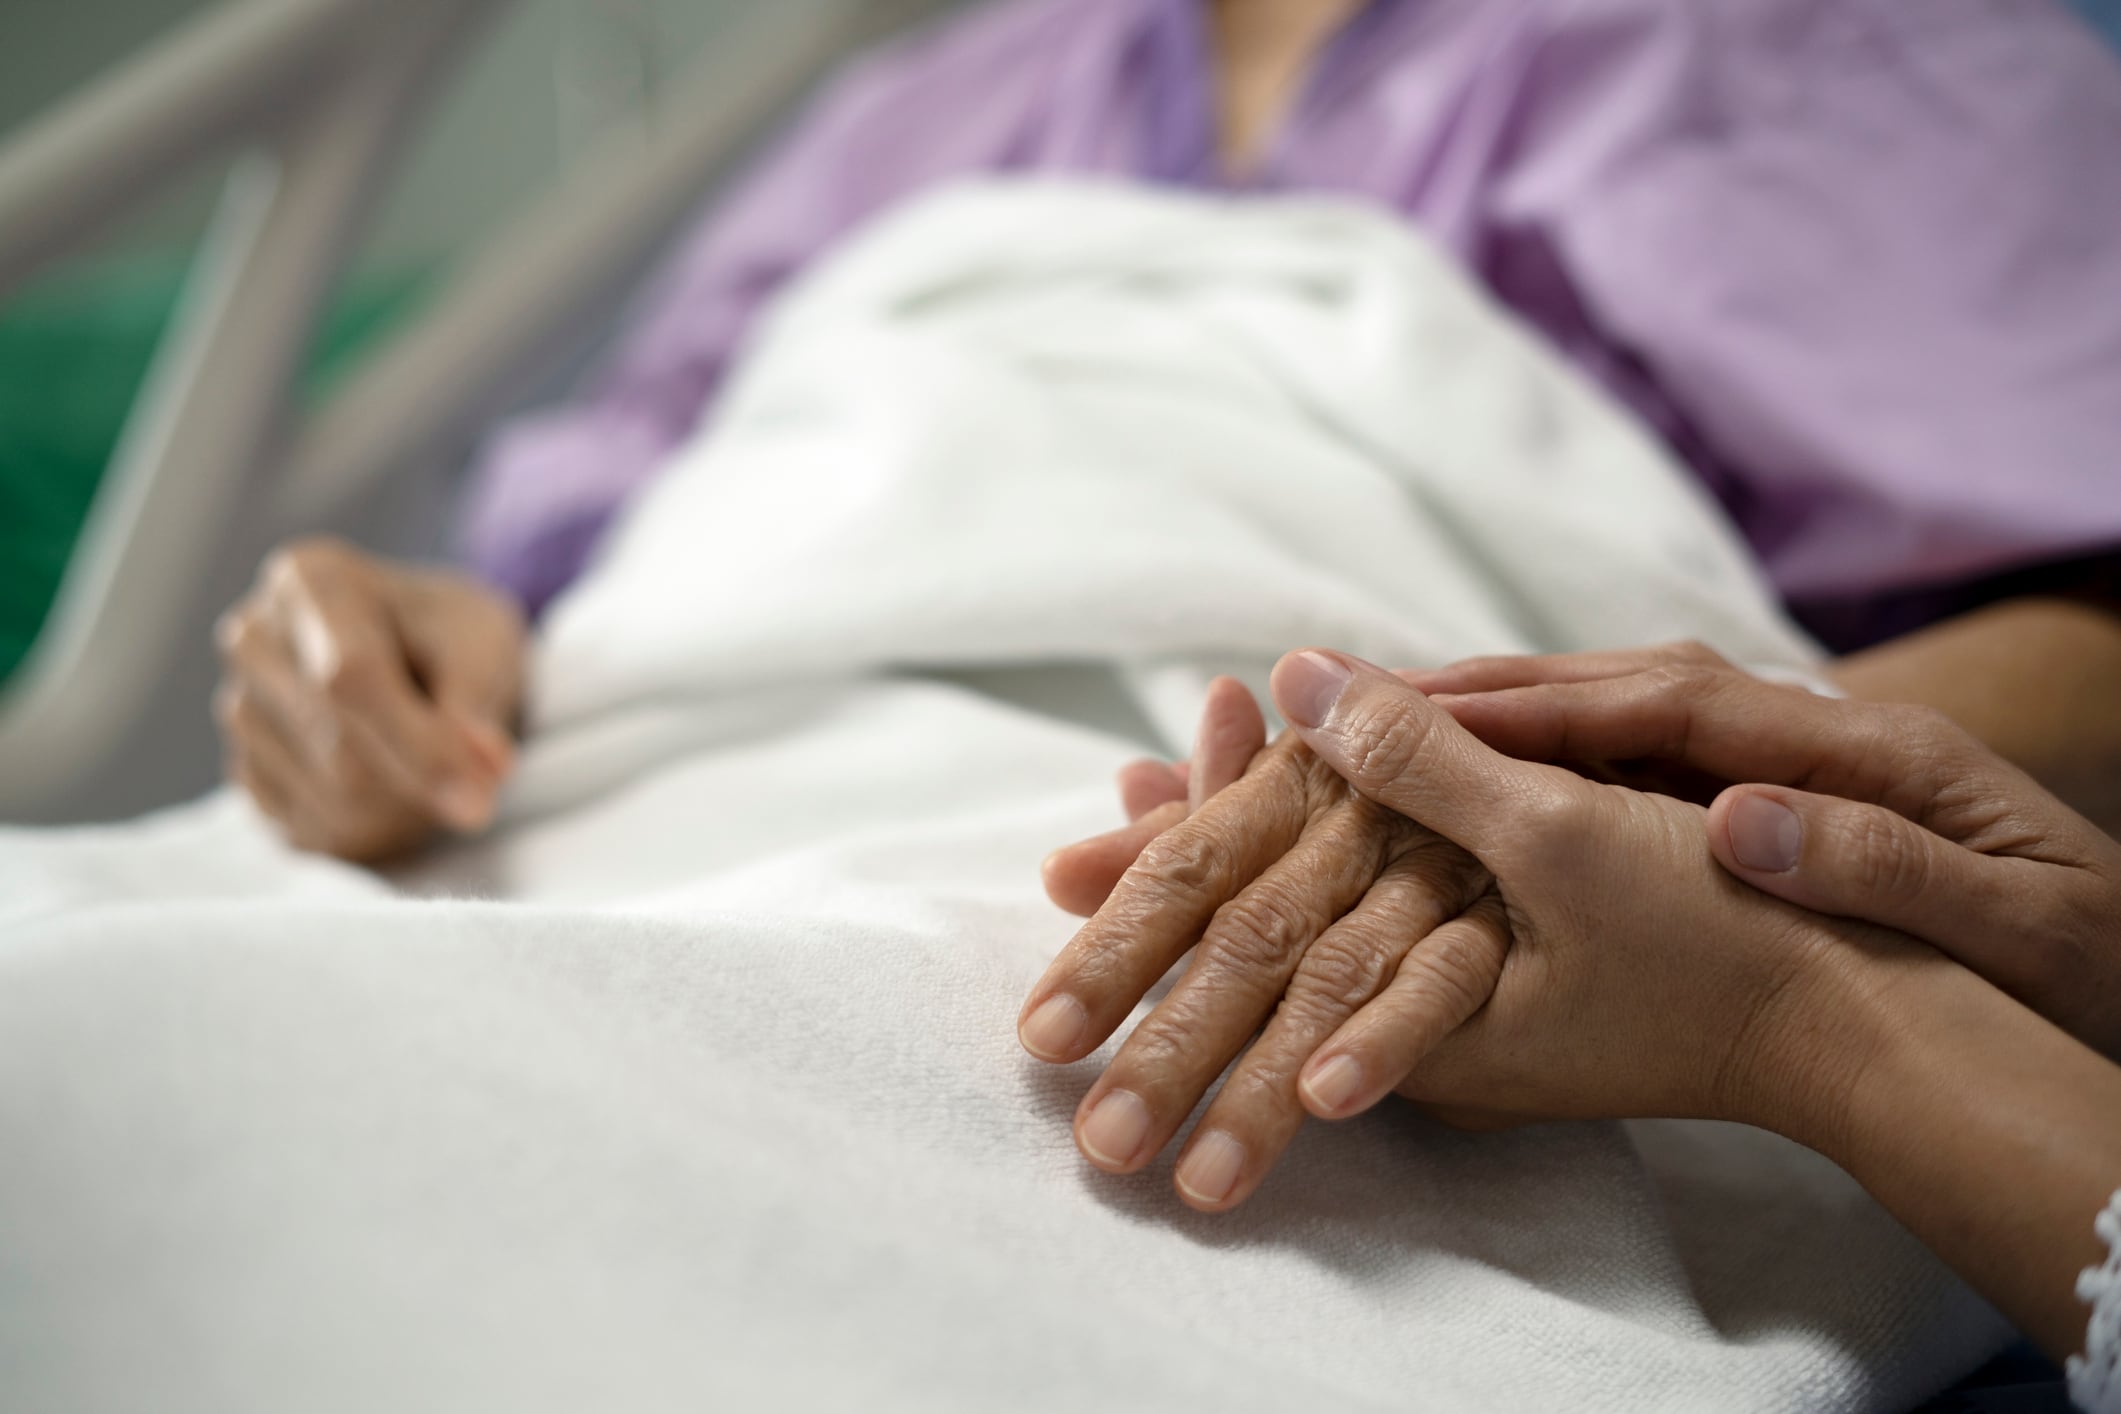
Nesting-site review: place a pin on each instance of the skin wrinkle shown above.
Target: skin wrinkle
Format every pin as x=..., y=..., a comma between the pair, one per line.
x=1349, y=962
x=1192, y=861
x=1245, y=957
x=1356, y=887
x=1259, y=1103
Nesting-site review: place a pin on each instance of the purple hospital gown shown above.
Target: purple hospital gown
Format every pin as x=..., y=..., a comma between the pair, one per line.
x=1858, y=261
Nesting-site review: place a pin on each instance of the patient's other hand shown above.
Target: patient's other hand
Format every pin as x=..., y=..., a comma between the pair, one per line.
x=365, y=704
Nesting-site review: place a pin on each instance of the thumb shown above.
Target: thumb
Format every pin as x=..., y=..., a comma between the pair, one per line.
x=1866, y=862
x=1396, y=747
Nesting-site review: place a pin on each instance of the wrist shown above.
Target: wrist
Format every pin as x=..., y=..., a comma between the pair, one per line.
x=1819, y=1057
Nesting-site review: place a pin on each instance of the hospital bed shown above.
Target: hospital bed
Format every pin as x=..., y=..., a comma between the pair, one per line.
x=318, y=102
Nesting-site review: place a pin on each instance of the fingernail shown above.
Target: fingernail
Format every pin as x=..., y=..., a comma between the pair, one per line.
x=1333, y=1086
x=464, y=805
x=1308, y=685
x=1765, y=834
x=1209, y=1171
x=1114, y=1132
x=1050, y=1033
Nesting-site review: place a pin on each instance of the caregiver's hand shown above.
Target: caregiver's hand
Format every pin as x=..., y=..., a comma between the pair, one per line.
x=1884, y=813
x=1641, y=979
x=1298, y=897
x=365, y=704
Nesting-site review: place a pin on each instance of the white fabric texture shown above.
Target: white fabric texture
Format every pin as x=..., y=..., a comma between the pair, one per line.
x=695, y=1085
x=2095, y=1376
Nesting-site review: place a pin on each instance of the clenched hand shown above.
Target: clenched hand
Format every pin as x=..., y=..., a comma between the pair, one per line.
x=364, y=705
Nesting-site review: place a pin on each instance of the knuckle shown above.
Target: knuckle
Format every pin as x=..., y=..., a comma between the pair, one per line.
x=1385, y=744
x=1345, y=973
x=1890, y=864
x=1256, y=931
x=1454, y=967
x=1185, y=861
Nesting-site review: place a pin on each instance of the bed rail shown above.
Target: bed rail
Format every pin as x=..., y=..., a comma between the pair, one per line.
x=321, y=97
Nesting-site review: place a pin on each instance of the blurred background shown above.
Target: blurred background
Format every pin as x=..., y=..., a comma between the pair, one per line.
x=543, y=85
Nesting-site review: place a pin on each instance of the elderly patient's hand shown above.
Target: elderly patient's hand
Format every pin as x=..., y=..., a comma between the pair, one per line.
x=363, y=704
x=1302, y=900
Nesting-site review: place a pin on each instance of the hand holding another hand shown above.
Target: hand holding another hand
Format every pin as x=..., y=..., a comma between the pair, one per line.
x=1594, y=962
x=1883, y=813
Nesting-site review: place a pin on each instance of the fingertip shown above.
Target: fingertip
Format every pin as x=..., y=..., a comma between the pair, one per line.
x=1232, y=731
x=1053, y=1031
x=1210, y=1175
x=1061, y=873
x=1755, y=832
x=1308, y=682
x=1231, y=701
x=1148, y=783
x=1332, y=1087
x=1114, y=1133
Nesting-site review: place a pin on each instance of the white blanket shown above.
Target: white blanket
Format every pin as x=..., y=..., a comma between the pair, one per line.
x=702, y=1093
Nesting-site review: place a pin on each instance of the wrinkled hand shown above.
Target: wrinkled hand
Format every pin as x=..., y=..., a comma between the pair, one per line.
x=1889, y=814
x=1298, y=897
x=365, y=705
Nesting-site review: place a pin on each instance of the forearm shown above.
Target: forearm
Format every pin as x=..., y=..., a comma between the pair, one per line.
x=2035, y=679
x=1992, y=1136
